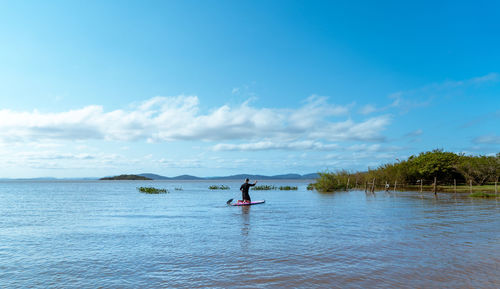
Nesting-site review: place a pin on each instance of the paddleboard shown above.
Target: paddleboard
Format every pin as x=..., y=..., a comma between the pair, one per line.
x=248, y=204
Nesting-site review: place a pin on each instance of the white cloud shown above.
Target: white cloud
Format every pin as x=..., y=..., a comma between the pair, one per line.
x=308, y=145
x=270, y=145
x=487, y=139
x=414, y=133
x=367, y=109
x=368, y=130
x=179, y=118
x=423, y=96
x=48, y=155
x=490, y=77
x=50, y=159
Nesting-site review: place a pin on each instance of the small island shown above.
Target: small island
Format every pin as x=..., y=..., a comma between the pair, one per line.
x=126, y=177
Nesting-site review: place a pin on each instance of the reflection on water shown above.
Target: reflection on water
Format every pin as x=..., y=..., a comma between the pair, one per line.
x=105, y=234
x=245, y=228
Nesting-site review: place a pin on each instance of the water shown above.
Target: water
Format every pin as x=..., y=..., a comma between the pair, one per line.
x=88, y=234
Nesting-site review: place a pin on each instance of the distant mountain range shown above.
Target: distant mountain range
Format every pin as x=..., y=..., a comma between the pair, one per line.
x=189, y=177
x=235, y=177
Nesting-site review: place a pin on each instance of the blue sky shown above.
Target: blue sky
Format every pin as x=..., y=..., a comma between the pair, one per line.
x=208, y=88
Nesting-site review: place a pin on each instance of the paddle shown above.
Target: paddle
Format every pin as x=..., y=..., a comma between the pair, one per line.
x=229, y=201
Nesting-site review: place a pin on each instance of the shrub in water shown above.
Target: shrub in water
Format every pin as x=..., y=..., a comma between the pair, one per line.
x=221, y=187
x=151, y=190
x=482, y=195
x=264, y=188
x=329, y=182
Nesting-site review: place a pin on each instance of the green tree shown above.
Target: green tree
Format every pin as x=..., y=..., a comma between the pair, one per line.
x=479, y=169
x=436, y=163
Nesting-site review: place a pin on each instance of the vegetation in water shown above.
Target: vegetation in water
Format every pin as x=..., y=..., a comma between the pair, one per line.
x=264, y=188
x=221, y=187
x=151, y=190
x=446, y=167
x=288, y=188
x=310, y=187
x=482, y=195
x=466, y=188
x=330, y=182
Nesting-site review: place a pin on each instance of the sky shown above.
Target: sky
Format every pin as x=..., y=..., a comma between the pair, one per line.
x=214, y=88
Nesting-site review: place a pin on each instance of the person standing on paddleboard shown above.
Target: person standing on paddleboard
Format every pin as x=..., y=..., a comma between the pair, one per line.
x=244, y=190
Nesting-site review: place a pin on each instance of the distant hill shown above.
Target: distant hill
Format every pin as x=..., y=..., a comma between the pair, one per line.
x=262, y=177
x=181, y=177
x=126, y=177
x=233, y=177
x=150, y=176
x=154, y=176
x=310, y=176
x=187, y=177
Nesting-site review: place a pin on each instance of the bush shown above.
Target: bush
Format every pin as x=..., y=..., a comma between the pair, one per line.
x=482, y=195
x=221, y=187
x=329, y=182
x=151, y=190
x=288, y=188
x=446, y=167
x=264, y=188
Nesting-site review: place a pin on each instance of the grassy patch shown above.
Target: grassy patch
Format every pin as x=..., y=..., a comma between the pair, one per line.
x=288, y=188
x=264, y=188
x=310, y=187
x=482, y=195
x=151, y=190
x=466, y=188
x=221, y=187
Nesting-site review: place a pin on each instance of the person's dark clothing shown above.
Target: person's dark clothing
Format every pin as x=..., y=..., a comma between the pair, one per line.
x=244, y=191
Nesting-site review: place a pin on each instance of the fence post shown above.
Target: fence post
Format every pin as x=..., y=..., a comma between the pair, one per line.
x=435, y=186
x=347, y=186
x=373, y=186
x=421, y=185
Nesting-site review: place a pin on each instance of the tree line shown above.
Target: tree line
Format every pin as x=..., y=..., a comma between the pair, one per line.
x=446, y=167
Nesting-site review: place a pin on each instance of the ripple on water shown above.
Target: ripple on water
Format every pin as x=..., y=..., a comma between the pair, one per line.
x=91, y=234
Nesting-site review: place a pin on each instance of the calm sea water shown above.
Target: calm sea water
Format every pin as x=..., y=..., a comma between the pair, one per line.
x=88, y=234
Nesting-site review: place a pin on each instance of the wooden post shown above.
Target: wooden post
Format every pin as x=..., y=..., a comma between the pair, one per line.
x=496, y=190
x=434, y=189
x=373, y=186
x=421, y=185
x=395, y=184
x=455, y=185
x=347, y=186
x=366, y=186
x=470, y=186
